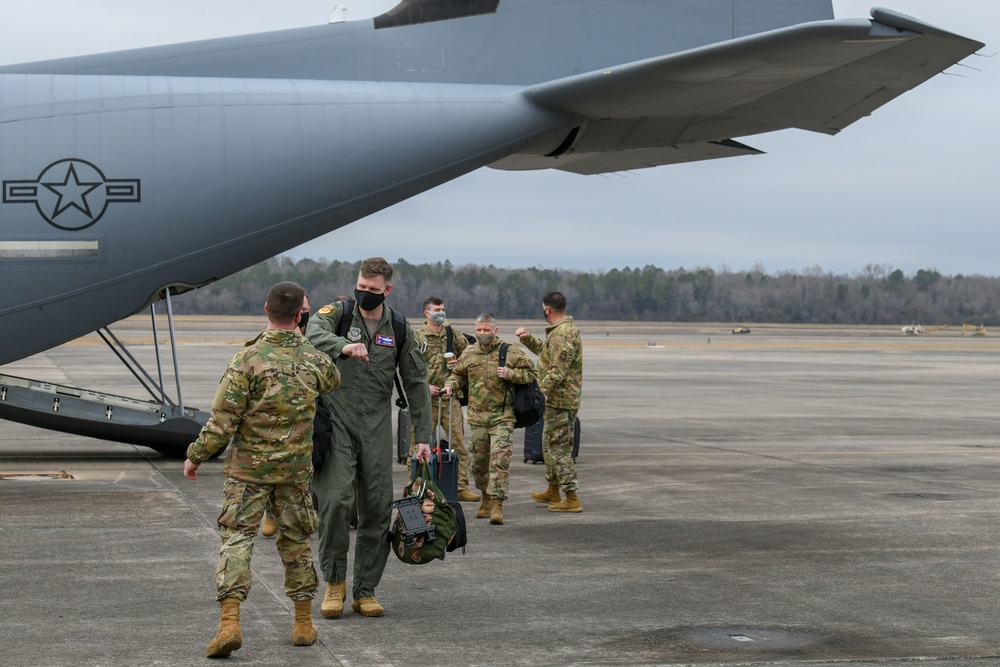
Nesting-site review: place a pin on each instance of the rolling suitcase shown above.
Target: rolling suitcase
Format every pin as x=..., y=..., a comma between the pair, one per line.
x=533, y=441
x=444, y=471
x=443, y=464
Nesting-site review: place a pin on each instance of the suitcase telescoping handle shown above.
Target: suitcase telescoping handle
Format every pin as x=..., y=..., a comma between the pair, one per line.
x=438, y=425
x=437, y=447
x=451, y=405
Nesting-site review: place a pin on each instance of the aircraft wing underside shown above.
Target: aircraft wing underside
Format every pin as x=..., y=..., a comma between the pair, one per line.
x=819, y=76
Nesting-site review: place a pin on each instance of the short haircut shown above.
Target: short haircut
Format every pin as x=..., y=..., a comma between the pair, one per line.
x=376, y=266
x=284, y=301
x=486, y=317
x=432, y=301
x=556, y=301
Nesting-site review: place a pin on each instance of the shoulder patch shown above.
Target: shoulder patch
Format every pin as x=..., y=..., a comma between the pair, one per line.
x=326, y=310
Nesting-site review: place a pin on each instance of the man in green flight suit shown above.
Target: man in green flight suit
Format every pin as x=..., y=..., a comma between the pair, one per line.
x=491, y=411
x=560, y=377
x=361, y=415
x=265, y=404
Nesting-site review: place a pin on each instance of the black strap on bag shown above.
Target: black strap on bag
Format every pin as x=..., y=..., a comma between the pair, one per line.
x=461, y=533
x=398, y=328
x=529, y=401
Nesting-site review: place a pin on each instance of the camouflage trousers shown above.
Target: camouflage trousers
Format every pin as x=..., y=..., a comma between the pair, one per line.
x=242, y=510
x=492, y=448
x=456, y=432
x=557, y=448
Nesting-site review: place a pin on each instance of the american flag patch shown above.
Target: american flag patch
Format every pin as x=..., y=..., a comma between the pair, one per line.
x=387, y=341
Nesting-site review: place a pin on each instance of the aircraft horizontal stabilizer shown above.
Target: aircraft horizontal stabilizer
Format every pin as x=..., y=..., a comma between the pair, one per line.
x=819, y=76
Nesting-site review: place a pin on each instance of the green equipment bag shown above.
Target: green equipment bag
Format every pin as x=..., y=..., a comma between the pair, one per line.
x=425, y=523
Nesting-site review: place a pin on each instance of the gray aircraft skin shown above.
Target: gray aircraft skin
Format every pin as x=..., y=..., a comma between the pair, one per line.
x=130, y=173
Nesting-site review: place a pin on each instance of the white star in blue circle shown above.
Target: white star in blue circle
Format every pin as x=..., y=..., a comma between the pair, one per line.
x=72, y=193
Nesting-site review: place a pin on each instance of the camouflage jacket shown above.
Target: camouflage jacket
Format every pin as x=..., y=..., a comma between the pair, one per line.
x=365, y=397
x=433, y=346
x=266, y=403
x=560, y=364
x=490, y=397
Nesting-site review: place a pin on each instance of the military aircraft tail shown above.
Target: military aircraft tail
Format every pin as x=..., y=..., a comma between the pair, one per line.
x=819, y=76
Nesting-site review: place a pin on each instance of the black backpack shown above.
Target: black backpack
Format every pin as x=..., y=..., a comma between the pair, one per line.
x=322, y=434
x=529, y=401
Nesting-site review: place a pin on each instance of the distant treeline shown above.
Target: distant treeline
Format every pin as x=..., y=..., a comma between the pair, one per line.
x=876, y=295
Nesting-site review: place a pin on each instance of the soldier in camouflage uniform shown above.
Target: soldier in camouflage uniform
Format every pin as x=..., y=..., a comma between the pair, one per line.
x=491, y=410
x=269, y=526
x=560, y=371
x=361, y=447
x=446, y=412
x=266, y=403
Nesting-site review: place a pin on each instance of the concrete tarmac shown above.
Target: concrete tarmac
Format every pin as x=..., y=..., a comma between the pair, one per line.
x=796, y=496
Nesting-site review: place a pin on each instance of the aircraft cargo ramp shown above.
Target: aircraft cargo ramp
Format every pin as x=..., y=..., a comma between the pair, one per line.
x=157, y=425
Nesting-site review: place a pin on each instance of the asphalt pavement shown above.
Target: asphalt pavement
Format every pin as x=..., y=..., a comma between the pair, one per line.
x=780, y=498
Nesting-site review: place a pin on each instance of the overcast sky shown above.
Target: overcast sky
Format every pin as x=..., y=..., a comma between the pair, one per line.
x=914, y=186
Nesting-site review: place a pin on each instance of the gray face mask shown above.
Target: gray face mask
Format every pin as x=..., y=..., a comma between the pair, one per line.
x=437, y=317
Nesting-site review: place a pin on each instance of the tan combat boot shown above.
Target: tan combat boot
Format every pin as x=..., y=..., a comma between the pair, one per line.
x=268, y=527
x=571, y=504
x=333, y=602
x=228, y=638
x=496, y=515
x=303, y=632
x=367, y=606
x=484, y=507
x=549, y=496
x=466, y=496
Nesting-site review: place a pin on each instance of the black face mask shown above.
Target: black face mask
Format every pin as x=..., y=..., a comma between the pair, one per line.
x=303, y=319
x=368, y=300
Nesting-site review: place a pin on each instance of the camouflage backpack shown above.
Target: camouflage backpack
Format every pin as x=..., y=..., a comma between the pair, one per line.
x=425, y=522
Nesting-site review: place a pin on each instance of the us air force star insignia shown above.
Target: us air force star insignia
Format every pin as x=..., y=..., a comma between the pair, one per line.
x=71, y=194
x=354, y=334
